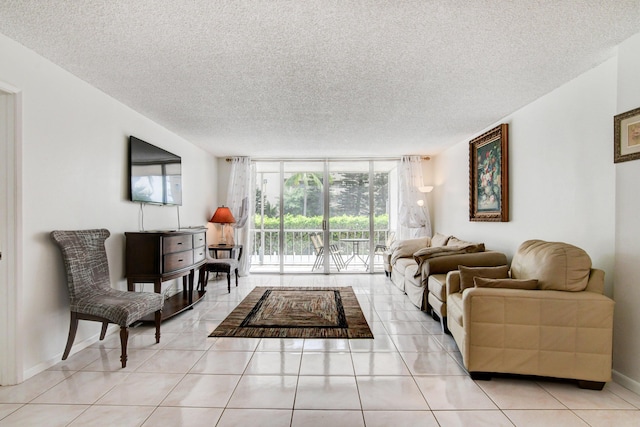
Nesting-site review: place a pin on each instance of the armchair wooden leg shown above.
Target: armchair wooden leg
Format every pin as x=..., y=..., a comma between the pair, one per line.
x=236, y=277
x=158, y=319
x=103, y=332
x=124, y=337
x=73, y=328
x=229, y=281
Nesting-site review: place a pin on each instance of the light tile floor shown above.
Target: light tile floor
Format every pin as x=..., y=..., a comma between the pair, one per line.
x=410, y=374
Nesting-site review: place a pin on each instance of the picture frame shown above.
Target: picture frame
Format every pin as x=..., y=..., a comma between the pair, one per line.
x=489, y=176
x=626, y=136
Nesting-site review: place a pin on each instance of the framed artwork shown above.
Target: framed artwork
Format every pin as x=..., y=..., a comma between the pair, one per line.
x=489, y=176
x=626, y=136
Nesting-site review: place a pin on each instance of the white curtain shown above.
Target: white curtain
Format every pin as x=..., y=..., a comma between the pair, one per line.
x=240, y=201
x=413, y=215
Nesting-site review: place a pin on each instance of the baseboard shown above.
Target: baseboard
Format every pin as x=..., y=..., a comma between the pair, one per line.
x=625, y=381
x=77, y=346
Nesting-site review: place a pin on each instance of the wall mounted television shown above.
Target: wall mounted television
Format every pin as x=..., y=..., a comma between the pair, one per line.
x=155, y=175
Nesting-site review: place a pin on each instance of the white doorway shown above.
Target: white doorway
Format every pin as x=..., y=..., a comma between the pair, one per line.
x=11, y=371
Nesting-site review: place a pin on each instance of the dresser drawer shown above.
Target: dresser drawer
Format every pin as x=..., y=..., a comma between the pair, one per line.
x=177, y=261
x=199, y=239
x=199, y=254
x=177, y=243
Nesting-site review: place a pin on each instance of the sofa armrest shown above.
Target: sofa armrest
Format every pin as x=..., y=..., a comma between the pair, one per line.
x=386, y=260
x=543, y=306
x=447, y=263
x=596, y=281
x=453, y=282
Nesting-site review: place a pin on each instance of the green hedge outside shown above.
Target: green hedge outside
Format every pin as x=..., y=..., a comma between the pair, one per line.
x=344, y=222
x=300, y=243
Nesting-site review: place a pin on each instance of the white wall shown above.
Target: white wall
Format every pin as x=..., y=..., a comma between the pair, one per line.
x=564, y=186
x=561, y=173
x=626, y=341
x=74, y=176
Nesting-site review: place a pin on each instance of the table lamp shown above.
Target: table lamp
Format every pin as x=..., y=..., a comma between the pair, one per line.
x=223, y=216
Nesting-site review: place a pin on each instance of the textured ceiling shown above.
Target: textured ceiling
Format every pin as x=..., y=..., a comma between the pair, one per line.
x=323, y=78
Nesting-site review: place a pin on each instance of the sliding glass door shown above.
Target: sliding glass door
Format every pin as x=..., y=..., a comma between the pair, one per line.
x=349, y=213
x=303, y=218
x=322, y=216
x=359, y=211
x=266, y=249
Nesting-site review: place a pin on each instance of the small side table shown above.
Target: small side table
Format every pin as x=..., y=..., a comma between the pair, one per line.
x=214, y=249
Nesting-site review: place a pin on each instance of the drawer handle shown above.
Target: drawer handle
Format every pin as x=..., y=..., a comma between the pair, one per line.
x=180, y=260
x=179, y=243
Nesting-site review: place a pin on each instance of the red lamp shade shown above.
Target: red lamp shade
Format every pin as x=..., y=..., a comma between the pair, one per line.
x=223, y=215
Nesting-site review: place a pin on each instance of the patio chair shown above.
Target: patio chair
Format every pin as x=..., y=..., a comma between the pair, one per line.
x=90, y=292
x=318, y=245
x=381, y=247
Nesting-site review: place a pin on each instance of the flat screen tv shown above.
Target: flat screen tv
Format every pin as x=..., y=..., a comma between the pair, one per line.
x=155, y=174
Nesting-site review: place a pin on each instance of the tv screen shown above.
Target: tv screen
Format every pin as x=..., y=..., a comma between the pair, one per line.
x=155, y=174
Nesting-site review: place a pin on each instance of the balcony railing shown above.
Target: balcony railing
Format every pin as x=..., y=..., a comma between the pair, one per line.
x=298, y=250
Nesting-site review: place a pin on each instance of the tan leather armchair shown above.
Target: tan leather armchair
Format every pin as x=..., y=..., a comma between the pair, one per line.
x=561, y=329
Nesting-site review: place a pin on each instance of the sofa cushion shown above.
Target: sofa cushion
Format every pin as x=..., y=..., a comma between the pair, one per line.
x=438, y=286
x=467, y=274
x=454, y=241
x=436, y=251
x=406, y=248
x=556, y=265
x=455, y=309
x=481, y=282
x=425, y=254
x=402, y=263
x=410, y=276
x=439, y=240
x=437, y=306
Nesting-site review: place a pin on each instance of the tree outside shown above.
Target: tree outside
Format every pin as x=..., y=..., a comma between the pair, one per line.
x=349, y=209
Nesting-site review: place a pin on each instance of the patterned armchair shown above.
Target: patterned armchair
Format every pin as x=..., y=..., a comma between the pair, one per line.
x=90, y=293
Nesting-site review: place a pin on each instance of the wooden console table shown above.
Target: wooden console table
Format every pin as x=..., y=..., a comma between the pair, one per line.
x=158, y=256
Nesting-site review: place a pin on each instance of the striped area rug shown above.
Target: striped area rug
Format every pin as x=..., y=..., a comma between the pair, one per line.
x=296, y=312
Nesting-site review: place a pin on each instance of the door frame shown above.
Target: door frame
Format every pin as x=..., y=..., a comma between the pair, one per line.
x=11, y=358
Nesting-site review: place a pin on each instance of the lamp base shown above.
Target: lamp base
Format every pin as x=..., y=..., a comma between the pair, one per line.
x=223, y=238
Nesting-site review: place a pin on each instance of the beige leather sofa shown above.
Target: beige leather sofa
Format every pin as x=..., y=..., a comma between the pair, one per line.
x=411, y=272
x=563, y=328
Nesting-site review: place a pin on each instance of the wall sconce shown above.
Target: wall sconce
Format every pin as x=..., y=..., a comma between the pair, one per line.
x=424, y=189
